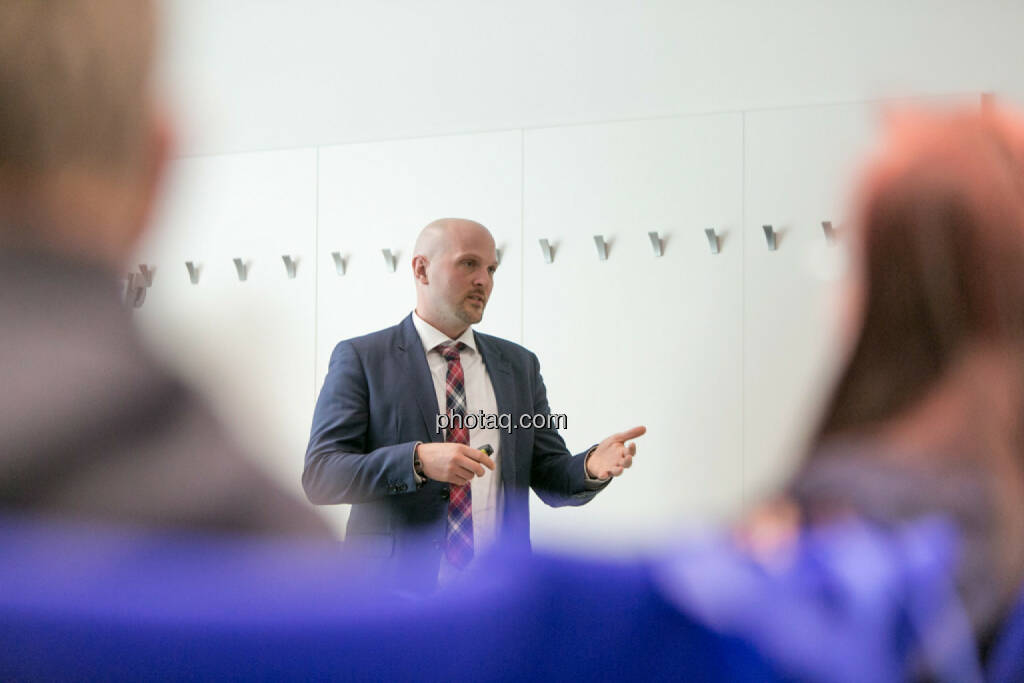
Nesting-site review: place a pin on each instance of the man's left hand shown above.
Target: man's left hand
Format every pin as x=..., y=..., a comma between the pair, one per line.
x=613, y=455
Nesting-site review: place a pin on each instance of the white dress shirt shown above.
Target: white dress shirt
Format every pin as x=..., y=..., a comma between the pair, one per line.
x=486, y=490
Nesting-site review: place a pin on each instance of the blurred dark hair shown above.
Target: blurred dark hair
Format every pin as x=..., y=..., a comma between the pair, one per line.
x=941, y=220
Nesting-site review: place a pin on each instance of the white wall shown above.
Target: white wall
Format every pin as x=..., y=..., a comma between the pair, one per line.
x=268, y=74
x=725, y=357
x=639, y=339
x=249, y=344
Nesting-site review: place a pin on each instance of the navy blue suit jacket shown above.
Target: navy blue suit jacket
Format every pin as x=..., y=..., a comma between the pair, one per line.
x=377, y=402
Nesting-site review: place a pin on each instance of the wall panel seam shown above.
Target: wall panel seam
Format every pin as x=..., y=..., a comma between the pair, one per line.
x=522, y=236
x=743, y=310
x=316, y=271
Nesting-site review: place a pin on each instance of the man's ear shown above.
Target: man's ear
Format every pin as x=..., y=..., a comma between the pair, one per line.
x=419, y=269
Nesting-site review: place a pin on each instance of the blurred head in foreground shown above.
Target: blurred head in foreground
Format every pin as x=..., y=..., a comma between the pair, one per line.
x=82, y=143
x=91, y=426
x=926, y=417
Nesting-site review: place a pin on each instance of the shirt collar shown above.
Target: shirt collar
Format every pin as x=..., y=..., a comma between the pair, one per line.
x=430, y=336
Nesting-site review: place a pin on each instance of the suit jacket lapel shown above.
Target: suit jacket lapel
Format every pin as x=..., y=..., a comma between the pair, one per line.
x=421, y=384
x=504, y=383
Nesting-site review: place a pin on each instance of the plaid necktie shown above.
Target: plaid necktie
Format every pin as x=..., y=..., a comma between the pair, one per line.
x=459, y=538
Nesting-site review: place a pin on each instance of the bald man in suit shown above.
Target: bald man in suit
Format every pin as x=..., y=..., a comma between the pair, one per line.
x=426, y=500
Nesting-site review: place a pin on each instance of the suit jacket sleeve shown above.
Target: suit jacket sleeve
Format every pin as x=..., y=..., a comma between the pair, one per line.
x=338, y=467
x=556, y=475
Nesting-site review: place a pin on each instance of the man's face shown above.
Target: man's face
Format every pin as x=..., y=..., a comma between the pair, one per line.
x=462, y=276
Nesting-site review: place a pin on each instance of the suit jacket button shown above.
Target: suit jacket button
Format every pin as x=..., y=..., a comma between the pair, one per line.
x=445, y=495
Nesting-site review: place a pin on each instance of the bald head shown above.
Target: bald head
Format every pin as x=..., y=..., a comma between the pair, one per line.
x=439, y=235
x=454, y=263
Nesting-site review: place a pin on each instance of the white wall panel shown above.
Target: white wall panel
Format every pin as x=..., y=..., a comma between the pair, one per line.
x=380, y=195
x=638, y=339
x=248, y=345
x=799, y=167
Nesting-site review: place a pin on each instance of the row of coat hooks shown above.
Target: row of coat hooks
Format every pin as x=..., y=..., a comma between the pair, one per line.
x=135, y=284
x=714, y=242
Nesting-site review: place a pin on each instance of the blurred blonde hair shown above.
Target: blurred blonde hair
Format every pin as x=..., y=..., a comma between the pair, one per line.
x=73, y=85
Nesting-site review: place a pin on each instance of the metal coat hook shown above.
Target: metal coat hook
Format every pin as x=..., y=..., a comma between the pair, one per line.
x=193, y=272
x=339, y=263
x=242, y=269
x=147, y=274
x=545, y=248
x=659, y=249
x=769, y=237
x=830, y=232
x=134, y=290
x=713, y=242
x=602, y=247
x=290, y=266
x=389, y=260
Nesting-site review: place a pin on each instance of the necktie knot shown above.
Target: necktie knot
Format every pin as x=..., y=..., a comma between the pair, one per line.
x=450, y=350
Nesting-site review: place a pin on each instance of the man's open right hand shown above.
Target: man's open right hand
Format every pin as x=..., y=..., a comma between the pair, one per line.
x=454, y=463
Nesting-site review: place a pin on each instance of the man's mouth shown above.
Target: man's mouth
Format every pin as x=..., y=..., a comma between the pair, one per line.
x=478, y=298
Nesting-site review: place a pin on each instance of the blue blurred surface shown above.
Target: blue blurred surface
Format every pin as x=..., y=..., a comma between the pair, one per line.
x=845, y=603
